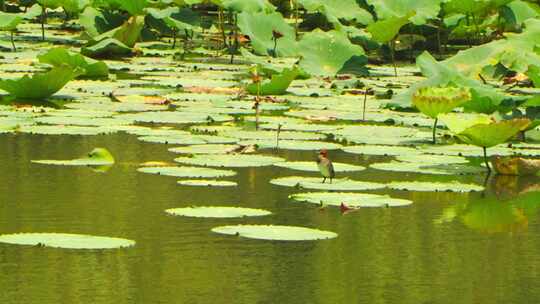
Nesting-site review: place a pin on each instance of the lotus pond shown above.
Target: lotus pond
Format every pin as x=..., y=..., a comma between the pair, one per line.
x=165, y=151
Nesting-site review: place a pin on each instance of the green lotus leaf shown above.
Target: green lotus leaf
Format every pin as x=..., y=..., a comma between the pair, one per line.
x=259, y=27
x=175, y=117
x=271, y=135
x=315, y=183
x=433, y=101
x=381, y=150
x=306, y=145
x=464, y=150
x=229, y=160
x=65, y=130
x=458, y=123
x=96, y=22
x=207, y=183
x=434, y=187
x=422, y=10
x=217, y=212
x=275, y=233
x=65, y=240
x=127, y=34
x=187, y=172
x=96, y=157
x=334, y=10
x=329, y=53
x=106, y=48
x=205, y=149
x=426, y=159
x=188, y=139
x=427, y=168
x=40, y=85
x=82, y=121
x=386, y=30
x=277, y=85
x=9, y=22
x=349, y=199
x=61, y=56
x=489, y=135
x=247, y=6
x=311, y=166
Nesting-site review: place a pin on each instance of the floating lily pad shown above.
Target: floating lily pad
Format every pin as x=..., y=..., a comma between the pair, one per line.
x=187, y=172
x=425, y=159
x=207, y=183
x=65, y=240
x=97, y=157
x=312, y=166
x=349, y=199
x=176, y=117
x=381, y=150
x=260, y=135
x=435, y=187
x=338, y=184
x=230, y=160
x=205, y=149
x=276, y=233
x=305, y=145
x=82, y=121
x=427, y=168
x=217, y=212
x=65, y=130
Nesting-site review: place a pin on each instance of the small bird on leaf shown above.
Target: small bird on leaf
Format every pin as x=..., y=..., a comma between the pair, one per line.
x=325, y=166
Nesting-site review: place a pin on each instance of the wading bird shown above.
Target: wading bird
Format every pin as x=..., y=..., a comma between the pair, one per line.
x=325, y=166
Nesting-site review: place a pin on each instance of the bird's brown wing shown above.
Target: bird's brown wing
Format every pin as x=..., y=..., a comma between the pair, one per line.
x=331, y=169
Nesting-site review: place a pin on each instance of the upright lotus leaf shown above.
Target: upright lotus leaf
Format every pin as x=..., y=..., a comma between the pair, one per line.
x=133, y=7
x=96, y=22
x=433, y=101
x=74, y=7
x=423, y=10
x=458, y=123
x=128, y=33
x=275, y=233
x=328, y=53
x=277, y=85
x=334, y=10
x=96, y=157
x=65, y=240
x=260, y=27
x=523, y=10
x=52, y=4
x=9, y=22
x=61, y=56
x=247, y=6
x=40, y=85
x=107, y=48
x=387, y=29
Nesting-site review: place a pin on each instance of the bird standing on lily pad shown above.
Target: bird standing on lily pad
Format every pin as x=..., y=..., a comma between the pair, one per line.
x=325, y=166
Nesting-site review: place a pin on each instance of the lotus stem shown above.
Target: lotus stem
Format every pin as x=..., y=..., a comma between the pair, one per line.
x=275, y=48
x=486, y=160
x=277, y=136
x=43, y=20
x=174, y=40
x=13, y=42
x=296, y=18
x=234, y=47
x=392, y=54
x=435, y=130
x=364, y=108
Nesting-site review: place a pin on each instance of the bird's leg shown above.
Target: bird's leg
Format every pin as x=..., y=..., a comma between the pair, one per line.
x=324, y=179
x=330, y=180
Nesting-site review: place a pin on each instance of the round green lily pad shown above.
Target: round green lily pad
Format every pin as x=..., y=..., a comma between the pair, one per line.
x=205, y=149
x=427, y=168
x=229, y=160
x=424, y=159
x=65, y=130
x=338, y=184
x=349, y=199
x=434, y=187
x=272, y=135
x=217, y=212
x=207, y=183
x=97, y=157
x=380, y=150
x=306, y=145
x=65, y=240
x=187, y=172
x=311, y=166
x=275, y=232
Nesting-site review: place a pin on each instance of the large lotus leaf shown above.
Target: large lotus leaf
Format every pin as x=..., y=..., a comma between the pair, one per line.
x=489, y=135
x=315, y=183
x=433, y=101
x=133, y=7
x=306, y=145
x=65, y=240
x=61, y=56
x=334, y=10
x=380, y=150
x=205, y=149
x=230, y=160
x=328, y=53
x=217, y=212
x=206, y=183
x=260, y=26
x=187, y=172
x=428, y=168
x=52, y=4
x=423, y=9
x=128, y=33
x=74, y=7
x=40, y=85
x=106, y=48
x=96, y=157
x=277, y=85
x=435, y=187
x=349, y=199
x=386, y=30
x=472, y=6
x=457, y=123
x=275, y=233
x=9, y=22
x=96, y=22
x=523, y=10
x=247, y=6
x=312, y=166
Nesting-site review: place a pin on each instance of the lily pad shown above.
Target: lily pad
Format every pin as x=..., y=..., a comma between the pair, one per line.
x=349, y=199
x=275, y=232
x=427, y=168
x=96, y=157
x=381, y=150
x=207, y=183
x=187, y=172
x=205, y=149
x=230, y=160
x=306, y=145
x=435, y=187
x=338, y=184
x=65, y=240
x=217, y=212
x=312, y=166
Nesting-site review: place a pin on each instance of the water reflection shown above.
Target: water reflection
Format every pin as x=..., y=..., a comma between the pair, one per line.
x=505, y=206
